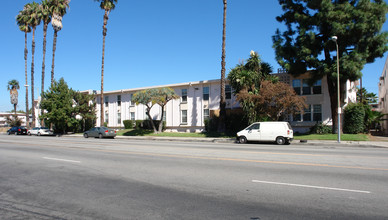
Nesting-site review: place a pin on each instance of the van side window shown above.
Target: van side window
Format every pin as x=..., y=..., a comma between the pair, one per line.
x=254, y=127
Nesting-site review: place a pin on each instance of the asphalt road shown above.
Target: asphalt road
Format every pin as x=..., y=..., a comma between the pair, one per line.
x=76, y=178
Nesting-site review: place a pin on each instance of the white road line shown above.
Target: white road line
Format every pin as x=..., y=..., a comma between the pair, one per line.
x=308, y=186
x=57, y=159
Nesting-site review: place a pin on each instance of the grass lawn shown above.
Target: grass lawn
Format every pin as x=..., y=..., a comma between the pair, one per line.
x=141, y=132
x=334, y=137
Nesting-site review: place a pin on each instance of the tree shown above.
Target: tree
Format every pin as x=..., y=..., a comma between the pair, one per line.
x=274, y=100
x=12, y=87
x=33, y=22
x=221, y=122
x=85, y=108
x=248, y=77
x=57, y=9
x=307, y=45
x=365, y=97
x=58, y=106
x=162, y=97
x=22, y=22
x=150, y=97
x=107, y=6
x=45, y=15
x=13, y=122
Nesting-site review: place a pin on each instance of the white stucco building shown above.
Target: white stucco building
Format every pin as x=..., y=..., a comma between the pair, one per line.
x=199, y=100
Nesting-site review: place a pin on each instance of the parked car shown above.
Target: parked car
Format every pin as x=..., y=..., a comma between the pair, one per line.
x=17, y=130
x=280, y=132
x=40, y=131
x=100, y=132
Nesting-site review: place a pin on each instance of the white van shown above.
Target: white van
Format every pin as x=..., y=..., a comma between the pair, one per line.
x=278, y=131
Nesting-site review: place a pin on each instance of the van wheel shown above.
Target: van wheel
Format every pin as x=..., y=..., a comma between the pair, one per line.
x=242, y=140
x=280, y=140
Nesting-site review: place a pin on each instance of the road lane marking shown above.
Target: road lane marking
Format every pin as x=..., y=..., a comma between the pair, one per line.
x=63, y=160
x=309, y=186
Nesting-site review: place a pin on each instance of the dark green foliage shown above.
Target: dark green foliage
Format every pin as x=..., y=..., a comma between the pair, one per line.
x=128, y=124
x=13, y=121
x=354, y=116
x=62, y=105
x=138, y=124
x=234, y=122
x=320, y=128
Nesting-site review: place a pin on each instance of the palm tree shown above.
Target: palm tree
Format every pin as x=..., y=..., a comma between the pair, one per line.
x=33, y=22
x=107, y=6
x=13, y=86
x=57, y=10
x=22, y=19
x=45, y=16
x=221, y=123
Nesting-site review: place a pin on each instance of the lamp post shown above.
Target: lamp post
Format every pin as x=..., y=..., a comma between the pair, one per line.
x=334, y=38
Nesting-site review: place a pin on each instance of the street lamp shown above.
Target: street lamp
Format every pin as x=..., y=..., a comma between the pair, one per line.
x=334, y=38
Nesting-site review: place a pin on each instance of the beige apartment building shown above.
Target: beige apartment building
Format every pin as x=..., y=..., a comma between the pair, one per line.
x=383, y=96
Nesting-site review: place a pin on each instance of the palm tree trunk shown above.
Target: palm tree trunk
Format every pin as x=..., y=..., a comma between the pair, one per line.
x=102, y=69
x=32, y=77
x=53, y=60
x=43, y=66
x=221, y=123
x=14, y=106
x=26, y=76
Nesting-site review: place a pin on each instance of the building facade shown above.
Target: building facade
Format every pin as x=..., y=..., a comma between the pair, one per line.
x=383, y=96
x=200, y=100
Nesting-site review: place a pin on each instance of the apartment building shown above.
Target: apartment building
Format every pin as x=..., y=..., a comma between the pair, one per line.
x=200, y=100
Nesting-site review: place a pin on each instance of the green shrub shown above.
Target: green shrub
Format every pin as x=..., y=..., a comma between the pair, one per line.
x=354, y=116
x=105, y=124
x=128, y=124
x=320, y=128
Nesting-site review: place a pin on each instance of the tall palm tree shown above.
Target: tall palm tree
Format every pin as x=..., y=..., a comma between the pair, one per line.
x=22, y=19
x=13, y=86
x=33, y=22
x=221, y=123
x=45, y=15
x=107, y=6
x=57, y=10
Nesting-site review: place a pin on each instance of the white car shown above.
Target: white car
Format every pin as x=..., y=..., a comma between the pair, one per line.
x=279, y=132
x=40, y=131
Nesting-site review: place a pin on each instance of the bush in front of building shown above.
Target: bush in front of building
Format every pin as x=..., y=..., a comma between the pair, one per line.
x=354, y=116
x=320, y=128
x=146, y=124
x=234, y=122
x=128, y=124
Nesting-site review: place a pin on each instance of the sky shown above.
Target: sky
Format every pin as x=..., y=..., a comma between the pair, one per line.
x=148, y=43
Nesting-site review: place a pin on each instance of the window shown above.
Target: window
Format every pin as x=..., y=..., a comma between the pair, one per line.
x=317, y=87
x=184, y=95
x=106, y=101
x=228, y=92
x=130, y=102
x=132, y=116
x=206, y=114
x=296, y=86
x=205, y=93
x=106, y=118
x=307, y=114
x=119, y=118
x=317, y=112
x=119, y=100
x=184, y=116
x=254, y=127
x=306, y=88
x=297, y=117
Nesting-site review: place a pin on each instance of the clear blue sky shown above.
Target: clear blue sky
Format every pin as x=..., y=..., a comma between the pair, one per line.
x=148, y=43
